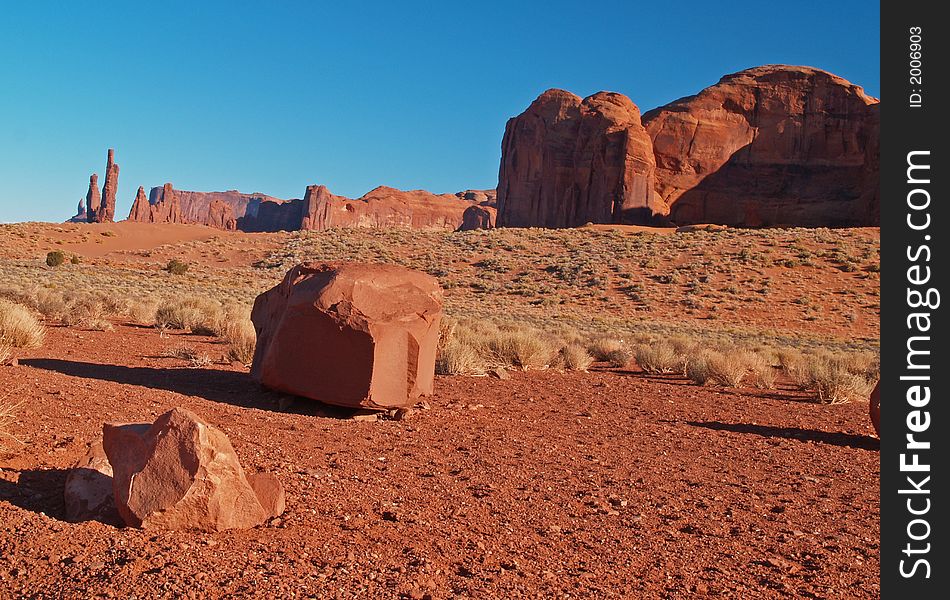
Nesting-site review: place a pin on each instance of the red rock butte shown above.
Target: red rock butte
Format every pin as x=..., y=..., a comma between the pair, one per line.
x=772, y=145
x=319, y=209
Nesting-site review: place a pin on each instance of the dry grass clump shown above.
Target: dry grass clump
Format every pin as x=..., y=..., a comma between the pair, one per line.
x=727, y=368
x=760, y=369
x=575, y=357
x=659, y=358
x=697, y=366
x=5, y=351
x=470, y=347
x=194, y=358
x=198, y=315
x=834, y=378
x=523, y=347
x=241, y=338
x=838, y=379
x=611, y=350
x=18, y=327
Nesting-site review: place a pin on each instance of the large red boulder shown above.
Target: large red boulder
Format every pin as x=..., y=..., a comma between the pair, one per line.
x=349, y=334
x=567, y=161
x=771, y=145
x=182, y=473
x=875, y=408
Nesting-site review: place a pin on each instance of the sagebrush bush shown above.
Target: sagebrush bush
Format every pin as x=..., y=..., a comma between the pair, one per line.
x=18, y=327
x=727, y=368
x=198, y=315
x=241, y=338
x=834, y=382
x=176, y=267
x=760, y=369
x=659, y=358
x=697, y=366
x=522, y=347
x=575, y=357
x=55, y=258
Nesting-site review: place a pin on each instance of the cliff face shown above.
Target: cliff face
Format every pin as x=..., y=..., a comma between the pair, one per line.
x=162, y=206
x=319, y=209
x=567, y=161
x=773, y=145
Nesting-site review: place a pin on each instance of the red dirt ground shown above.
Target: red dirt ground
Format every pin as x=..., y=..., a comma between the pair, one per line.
x=607, y=484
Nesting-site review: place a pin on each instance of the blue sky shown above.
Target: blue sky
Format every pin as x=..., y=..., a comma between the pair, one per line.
x=273, y=96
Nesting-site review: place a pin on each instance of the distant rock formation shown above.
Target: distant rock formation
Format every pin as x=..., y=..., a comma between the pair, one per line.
x=80, y=216
x=772, y=145
x=319, y=209
x=93, y=198
x=567, y=161
x=478, y=217
x=106, y=211
x=162, y=206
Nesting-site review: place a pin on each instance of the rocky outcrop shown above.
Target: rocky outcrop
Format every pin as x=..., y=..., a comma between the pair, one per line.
x=161, y=207
x=478, y=217
x=93, y=198
x=567, y=161
x=80, y=216
x=106, y=211
x=350, y=334
x=772, y=145
x=181, y=473
x=319, y=209
x=221, y=215
x=381, y=208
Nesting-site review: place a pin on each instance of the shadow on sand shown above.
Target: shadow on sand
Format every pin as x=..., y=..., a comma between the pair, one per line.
x=38, y=490
x=229, y=387
x=848, y=440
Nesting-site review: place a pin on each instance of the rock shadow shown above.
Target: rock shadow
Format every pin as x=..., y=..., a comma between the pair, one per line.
x=217, y=385
x=38, y=490
x=848, y=440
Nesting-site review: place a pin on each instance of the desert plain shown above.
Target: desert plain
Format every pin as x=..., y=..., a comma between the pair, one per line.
x=586, y=457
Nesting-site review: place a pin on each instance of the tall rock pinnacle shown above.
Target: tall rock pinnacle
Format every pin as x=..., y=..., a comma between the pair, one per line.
x=93, y=198
x=106, y=212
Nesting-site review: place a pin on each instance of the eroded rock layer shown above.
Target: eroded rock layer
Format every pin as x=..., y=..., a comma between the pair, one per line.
x=773, y=145
x=567, y=161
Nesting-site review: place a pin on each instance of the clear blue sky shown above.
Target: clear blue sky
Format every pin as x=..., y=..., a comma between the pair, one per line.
x=273, y=96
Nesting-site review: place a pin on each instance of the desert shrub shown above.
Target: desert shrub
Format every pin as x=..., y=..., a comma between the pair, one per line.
x=242, y=339
x=697, y=367
x=795, y=365
x=728, y=368
x=55, y=258
x=460, y=350
x=75, y=260
x=457, y=357
x=198, y=315
x=659, y=357
x=834, y=383
x=575, y=357
x=760, y=367
x=176, y=267
x=5, y=351
x=18, y=327
x=526, y=348
x=610, y=350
